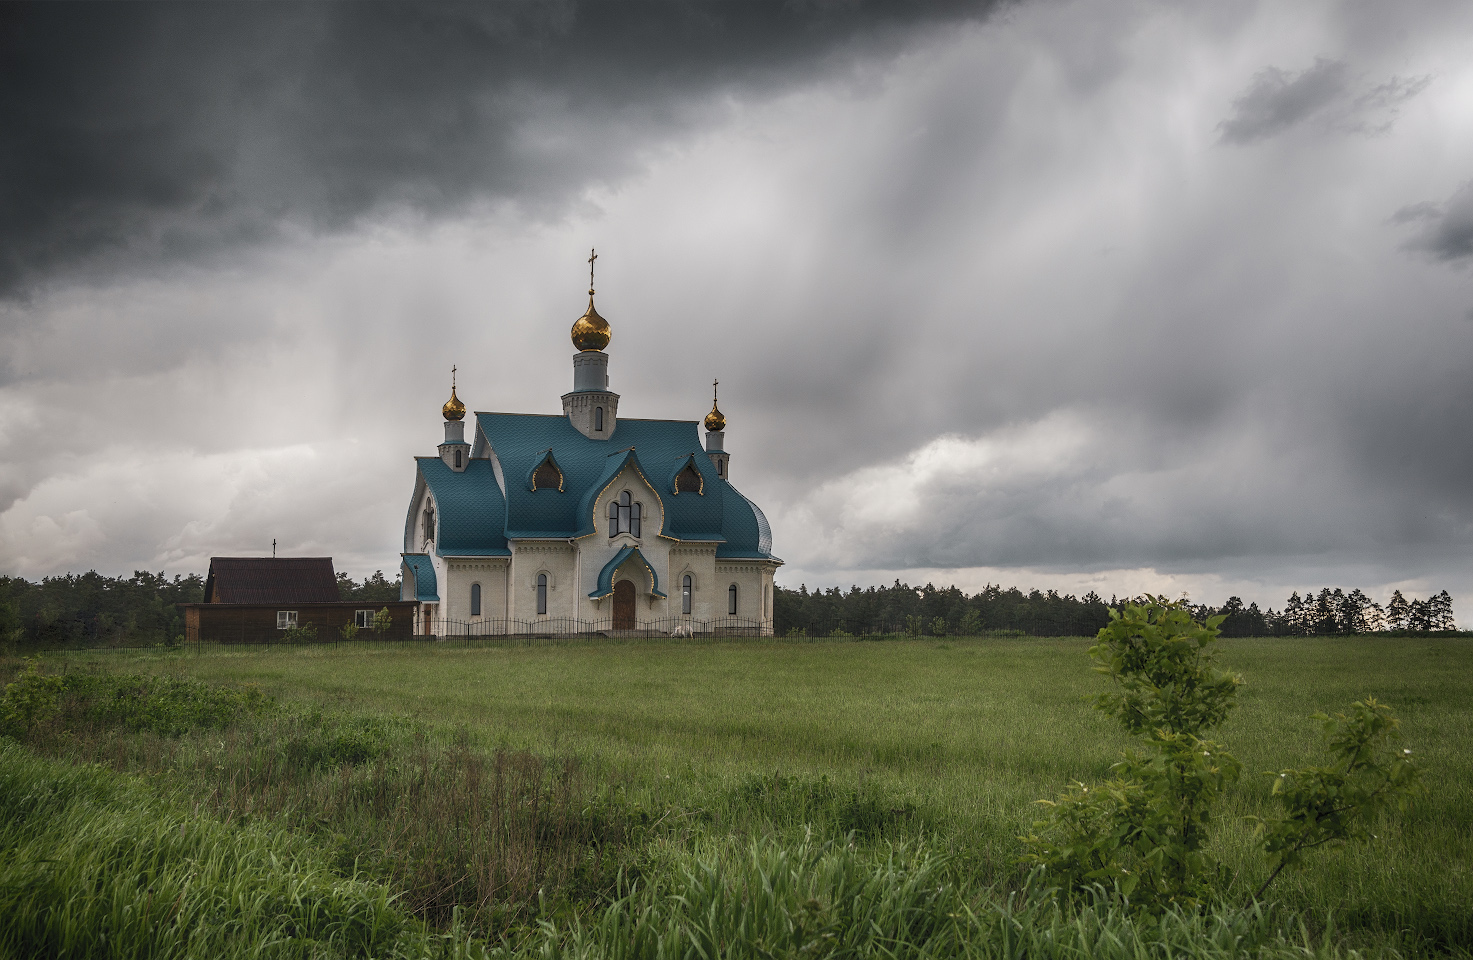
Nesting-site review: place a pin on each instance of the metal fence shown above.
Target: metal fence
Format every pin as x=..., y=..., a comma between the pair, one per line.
x=552, y=627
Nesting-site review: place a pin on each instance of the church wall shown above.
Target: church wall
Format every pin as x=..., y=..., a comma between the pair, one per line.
x=699, y=560
x=600, y=548
x=752, y=580
x=455, y=596
x=558, y=560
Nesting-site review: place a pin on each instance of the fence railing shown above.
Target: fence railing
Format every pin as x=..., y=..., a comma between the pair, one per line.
x=447, y=629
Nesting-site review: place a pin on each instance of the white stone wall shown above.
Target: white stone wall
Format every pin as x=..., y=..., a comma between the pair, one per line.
x=455, y=592
x=557, y=559
x=599, y=549
x=698, y=560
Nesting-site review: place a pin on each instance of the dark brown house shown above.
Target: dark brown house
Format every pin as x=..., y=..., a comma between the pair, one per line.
x=259, y=599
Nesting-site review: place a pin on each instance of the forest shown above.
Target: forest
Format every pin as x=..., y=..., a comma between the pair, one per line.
x=933, y=611
x=92, y=610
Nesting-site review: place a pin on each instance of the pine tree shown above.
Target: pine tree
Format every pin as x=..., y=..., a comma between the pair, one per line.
x=1292, y=619
x=1418, y=616
x=1440, y=612
x=1397, y=611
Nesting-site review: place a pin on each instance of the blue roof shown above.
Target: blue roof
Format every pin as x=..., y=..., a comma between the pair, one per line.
x=424, y=577
x=472, y=513
x=657, y=448
x=606, y=575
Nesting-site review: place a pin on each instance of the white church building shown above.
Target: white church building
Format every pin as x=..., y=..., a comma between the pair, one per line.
x=584, y=523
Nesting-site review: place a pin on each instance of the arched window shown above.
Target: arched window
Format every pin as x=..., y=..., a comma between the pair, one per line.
x=541, y=594
x=457, y=459
x=688, y=480
x=731, y=600
x=685, y=594
x=547, y=476
x=598, y=419
x=429, y=522
x=624, y=515
x=721, y=468
x=475, y=599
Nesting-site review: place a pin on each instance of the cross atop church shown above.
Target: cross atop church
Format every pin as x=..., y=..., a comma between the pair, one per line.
x=713, y=390
x=452, y=376
x=592, y=256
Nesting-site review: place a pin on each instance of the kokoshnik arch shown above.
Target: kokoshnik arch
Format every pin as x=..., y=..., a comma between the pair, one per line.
x=583, y=522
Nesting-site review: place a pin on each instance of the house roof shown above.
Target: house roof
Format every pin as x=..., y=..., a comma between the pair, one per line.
x=476, y=519
x=271, y=580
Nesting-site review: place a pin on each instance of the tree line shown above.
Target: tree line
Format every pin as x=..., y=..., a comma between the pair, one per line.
x=91, y=610
x=936, y=611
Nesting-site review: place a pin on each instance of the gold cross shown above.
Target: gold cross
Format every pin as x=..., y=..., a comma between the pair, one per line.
x=713, y=390
x=592, y=256
x=452, y=377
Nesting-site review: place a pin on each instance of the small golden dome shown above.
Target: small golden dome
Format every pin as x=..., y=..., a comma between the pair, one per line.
x=715, y=420
x=453, y=409
x=590, y=331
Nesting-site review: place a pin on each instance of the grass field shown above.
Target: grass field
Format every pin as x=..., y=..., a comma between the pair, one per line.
x=700, y=745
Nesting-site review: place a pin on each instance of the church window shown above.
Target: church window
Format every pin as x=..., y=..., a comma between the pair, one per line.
x=720, y=468
x=685, y=594
x=598, y=418
x=429, y=523
x=624, y=515
x=547, y=475
x=475, y=599
x=457, y=459
x=688, y=480
x=541, y=593
x=731, y=597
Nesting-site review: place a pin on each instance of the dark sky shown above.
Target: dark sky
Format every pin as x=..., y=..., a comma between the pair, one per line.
x=1112, y=295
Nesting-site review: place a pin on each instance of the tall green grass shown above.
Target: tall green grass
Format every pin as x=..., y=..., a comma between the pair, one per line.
x=93, y=865
x=677, y=749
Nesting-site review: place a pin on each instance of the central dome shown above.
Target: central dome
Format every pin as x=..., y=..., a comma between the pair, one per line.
x=590, y=331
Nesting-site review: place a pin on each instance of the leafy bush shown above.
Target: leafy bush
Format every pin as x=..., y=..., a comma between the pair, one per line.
x=1144, y=833
x=29, y=699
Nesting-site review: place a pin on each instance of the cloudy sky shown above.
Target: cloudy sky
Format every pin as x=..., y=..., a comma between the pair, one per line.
x=1114, y=295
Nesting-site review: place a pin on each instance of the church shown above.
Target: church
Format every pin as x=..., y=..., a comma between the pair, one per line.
x=584, y=523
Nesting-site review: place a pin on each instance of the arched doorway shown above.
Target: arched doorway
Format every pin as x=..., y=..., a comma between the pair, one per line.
x=624, y=605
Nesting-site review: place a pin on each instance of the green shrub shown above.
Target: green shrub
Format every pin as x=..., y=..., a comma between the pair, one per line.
x=1144, y=833
x=29, y=699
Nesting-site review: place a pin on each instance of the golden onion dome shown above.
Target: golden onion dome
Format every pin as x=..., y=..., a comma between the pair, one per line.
x=590, y=331
x=453, y=409
x=715, y=420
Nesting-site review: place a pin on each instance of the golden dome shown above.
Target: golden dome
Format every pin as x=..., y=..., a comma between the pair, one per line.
x=590, y=331
x=715, y=420
x=453, y=409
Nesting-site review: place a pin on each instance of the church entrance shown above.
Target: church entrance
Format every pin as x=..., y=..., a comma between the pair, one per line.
x=624, y=605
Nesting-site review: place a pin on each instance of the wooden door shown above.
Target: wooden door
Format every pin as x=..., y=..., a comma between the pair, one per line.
x=624, y=605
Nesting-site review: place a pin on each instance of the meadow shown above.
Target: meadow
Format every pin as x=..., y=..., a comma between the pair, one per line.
x=535, y=794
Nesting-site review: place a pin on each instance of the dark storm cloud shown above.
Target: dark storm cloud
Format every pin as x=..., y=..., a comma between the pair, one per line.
x=1446, y=233
x=152, y=133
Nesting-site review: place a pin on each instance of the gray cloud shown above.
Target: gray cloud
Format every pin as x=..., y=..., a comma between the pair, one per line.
x=1276, y=100
x=1446, y=232
x=154, y=133
x=1325, y=92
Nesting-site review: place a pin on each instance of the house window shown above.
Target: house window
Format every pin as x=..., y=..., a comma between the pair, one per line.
x=624, y=516
x=286, y=619
x=475, y=599
x=457, y=459
x=598, y=418
x=363, y=619
x=685, y=595
x=731, y=600
x=541, y=594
